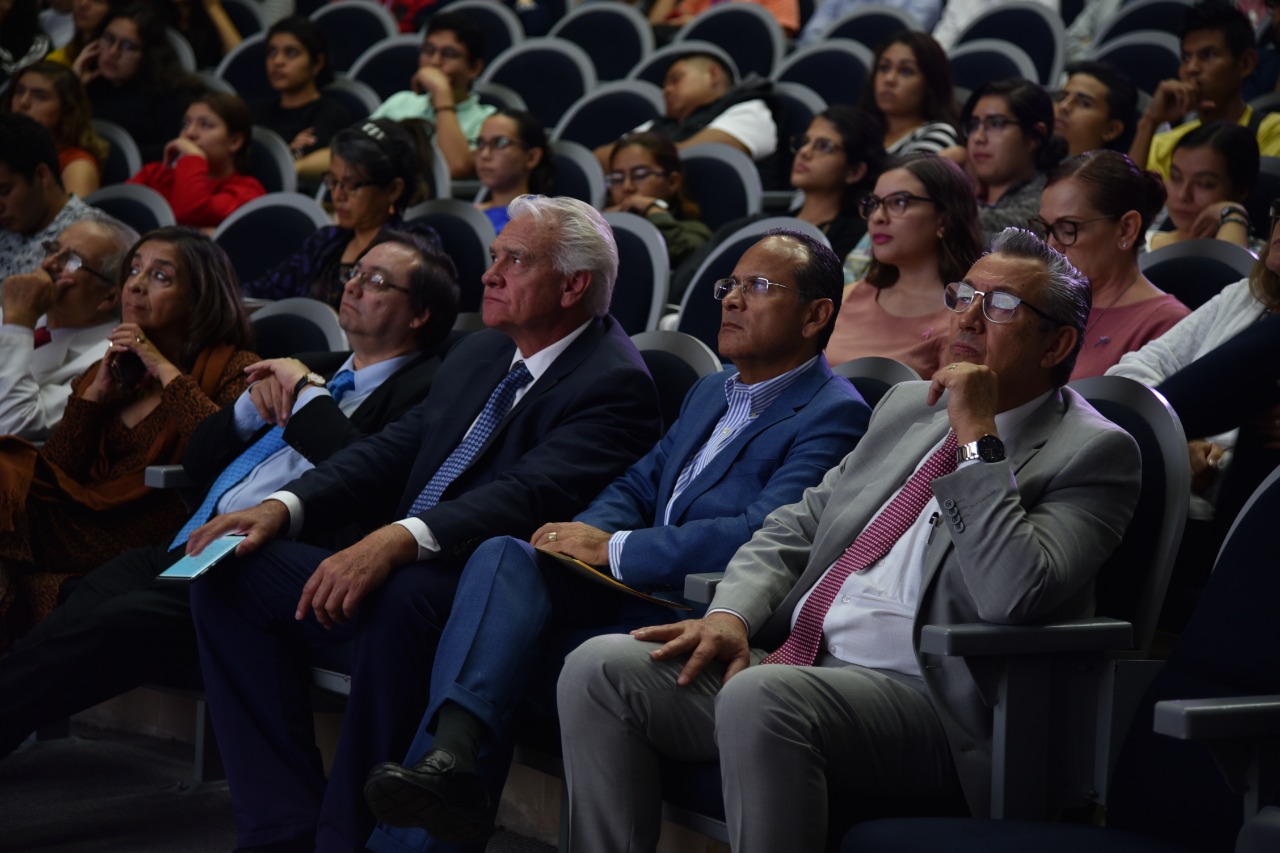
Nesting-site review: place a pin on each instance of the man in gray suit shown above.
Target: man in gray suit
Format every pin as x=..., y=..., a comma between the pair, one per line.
x=999, y=506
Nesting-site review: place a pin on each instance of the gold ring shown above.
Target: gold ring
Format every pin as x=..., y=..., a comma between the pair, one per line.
x=551, y=537
x=951, y=367
x=141, y=339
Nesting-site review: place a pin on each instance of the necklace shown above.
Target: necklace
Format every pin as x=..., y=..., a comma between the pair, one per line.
x=1102, y=312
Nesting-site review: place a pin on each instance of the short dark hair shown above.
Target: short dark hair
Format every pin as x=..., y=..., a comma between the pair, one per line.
x=464, y=29
x=1122, y=98
x=862, y=135
x=730, y=75
x=821, y=276
x=1114, y=185
x=433, y=285
x=313, y=41
x=25, y=144
x=1236, y=145
x=235, y=114
x=1223, y=17
x=1033, y=109
x=935, y=70
x=381, y=150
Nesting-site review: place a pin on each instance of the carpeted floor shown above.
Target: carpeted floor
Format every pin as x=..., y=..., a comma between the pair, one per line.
x=107, y=792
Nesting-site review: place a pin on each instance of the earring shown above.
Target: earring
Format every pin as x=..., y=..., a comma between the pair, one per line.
x=1124, y=245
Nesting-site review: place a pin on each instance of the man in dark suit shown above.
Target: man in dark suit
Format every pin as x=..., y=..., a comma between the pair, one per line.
x=122, y=628
x=529, y=418
x=999, y=507
x=748, y=440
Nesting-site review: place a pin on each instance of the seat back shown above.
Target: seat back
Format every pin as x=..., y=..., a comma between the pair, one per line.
x=496, y=95
x=245, y=68
x=265, y=231
x=246, y=15
x=500, y=25
x=976, y=62
x=1163, y=16
x=835, y=69
x=576, y=172
x=871, y=26
x=350, y=26
x=1032, y=26
x=724, y=182
x=1195, y=270
x=290, y=326
x=644, y=274
x=616, y=36
x=874, y=375
x=1146, y=58
x=550, y=74
x=466, y=234
x=653, y=68
x=609, y=111
x=141, y=208
x=676, y=361
x=182, y=48
x=1265, y=189
x=123, y=157
x=798, y=104
x=359, y=98
x=271, y=162
x=386, y=66
x=747, y=32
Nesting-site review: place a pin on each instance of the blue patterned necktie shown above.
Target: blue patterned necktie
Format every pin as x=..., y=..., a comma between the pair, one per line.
x=494, y=411
x=253, y=456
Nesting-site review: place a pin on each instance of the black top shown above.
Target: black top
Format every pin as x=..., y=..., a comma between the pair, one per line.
x=325, y=116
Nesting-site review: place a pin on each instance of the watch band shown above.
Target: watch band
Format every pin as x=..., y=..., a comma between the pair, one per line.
x=308, y=379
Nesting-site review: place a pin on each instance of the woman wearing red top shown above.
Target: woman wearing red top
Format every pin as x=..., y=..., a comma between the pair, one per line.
x=201, y=173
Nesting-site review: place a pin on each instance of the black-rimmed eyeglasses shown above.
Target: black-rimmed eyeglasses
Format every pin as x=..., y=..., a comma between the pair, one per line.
x=71, y=260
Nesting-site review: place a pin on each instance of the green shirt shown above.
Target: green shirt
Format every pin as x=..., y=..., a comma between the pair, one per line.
x=471, y=113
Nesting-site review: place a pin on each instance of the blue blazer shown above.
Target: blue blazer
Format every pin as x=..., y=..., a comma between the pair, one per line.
x=803, y=433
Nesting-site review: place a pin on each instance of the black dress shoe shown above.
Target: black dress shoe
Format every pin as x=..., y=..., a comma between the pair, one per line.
x=453, y=806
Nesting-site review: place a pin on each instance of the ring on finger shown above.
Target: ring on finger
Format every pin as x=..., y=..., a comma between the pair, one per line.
x=551, y=537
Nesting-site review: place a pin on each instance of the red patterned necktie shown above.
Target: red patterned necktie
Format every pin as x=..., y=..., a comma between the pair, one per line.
x=801, y=647
x=43, y=336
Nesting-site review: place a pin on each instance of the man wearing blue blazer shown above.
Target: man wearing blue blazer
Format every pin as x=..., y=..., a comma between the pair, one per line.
x=747, y=441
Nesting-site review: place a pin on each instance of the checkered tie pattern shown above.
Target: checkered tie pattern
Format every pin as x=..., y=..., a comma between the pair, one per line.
x=494, y=411
x=801, y=647
x=253, y=456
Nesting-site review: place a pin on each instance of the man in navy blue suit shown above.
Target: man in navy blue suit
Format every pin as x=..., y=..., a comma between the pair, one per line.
x=535, y=414
x=748, y=440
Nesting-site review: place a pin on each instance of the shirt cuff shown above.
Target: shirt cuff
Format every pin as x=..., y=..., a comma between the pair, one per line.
x=735, y=613
x=428, y=547
x=294, y=506
x=616, y=541
x=247, y=419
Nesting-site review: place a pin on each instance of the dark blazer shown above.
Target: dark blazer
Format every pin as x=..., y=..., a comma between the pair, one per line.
x=807, y=430
x=319, y=429
x=579, y=426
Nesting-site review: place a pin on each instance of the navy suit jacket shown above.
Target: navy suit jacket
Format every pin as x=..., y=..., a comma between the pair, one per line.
x=592, y=413
x=807, y=430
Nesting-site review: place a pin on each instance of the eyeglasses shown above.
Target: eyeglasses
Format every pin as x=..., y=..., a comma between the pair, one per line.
x=70, y=260
x=497, y=143
x=109, y=40
x=375, y=281
x=991, y=125
x=895, y=204
x=821, y=145
x=636, y=173
x=347, y=185
x=1064, y=231
x=752, y=288
x=429, y=50
x=997, y=305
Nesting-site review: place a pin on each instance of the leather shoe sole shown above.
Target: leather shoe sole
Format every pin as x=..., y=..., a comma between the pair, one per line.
x=453, y=807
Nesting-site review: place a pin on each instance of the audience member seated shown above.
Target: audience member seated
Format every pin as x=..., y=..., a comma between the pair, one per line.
x=910, y=92
x=513, y=158
x=440, y=90
x=958, y=14
x=668, y=16
x=53, y=96
x=88, y=17
x=305, y=117
x=923, y=225
x=1218, y=54
x=1037, y=489
x=375, y=173
x=121, y=627
x=1011, y=148
x=134, y=79
x=55, y=20
x=203, y=173
x=205, y=25
x=22, y=42
x=1095, y=108
x=1213, y=170
x=585, y=411
x=749, y=440
x=56, y=323
x=704, y=105
x=35, y=207
x=925, y=12
x=645, y=178
x=1095, y=210
x=177, y=356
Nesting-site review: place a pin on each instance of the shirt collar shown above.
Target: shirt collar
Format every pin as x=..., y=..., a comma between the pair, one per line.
x=368, y=378
x=761, y=394
x=538, y=363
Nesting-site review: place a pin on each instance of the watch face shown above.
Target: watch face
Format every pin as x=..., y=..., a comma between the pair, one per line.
x=990, y=449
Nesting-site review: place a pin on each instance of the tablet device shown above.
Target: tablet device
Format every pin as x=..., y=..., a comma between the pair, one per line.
x=190, y=567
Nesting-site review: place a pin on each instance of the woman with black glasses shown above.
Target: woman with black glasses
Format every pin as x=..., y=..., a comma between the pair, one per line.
x=923, y=224
x=645, y=178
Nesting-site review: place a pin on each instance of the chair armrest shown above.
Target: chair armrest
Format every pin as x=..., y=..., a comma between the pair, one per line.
x=1228, y=717
x=167, y=477
x=1078, y=635
x=701, y=588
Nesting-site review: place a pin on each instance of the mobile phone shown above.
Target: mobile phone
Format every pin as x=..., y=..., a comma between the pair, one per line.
x=127, y=370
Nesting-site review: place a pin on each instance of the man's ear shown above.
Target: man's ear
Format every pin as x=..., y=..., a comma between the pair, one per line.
x=816, y=317
x=575, y=288
x=1112, y=131
x=1061, y=345
x=110, y=302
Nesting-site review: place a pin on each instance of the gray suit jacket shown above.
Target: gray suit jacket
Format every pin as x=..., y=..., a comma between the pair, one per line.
x=1024, y=545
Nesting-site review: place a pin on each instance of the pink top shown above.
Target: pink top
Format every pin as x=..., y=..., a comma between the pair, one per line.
x=1113, y=332
x=864, y=328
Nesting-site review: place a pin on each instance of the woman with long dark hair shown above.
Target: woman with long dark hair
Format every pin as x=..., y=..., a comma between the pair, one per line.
x=646, y=178
x=52, y=95
x=910, y=92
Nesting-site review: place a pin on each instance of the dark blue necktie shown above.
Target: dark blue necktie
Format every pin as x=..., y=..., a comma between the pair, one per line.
x=253, y=456
x=494, y=411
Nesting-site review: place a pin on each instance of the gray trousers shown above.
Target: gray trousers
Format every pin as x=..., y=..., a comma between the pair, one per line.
x=789, y=739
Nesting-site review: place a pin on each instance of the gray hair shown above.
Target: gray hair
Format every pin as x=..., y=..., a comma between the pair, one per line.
x=122, y=239
x=583, y=242
x=1068, y=294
